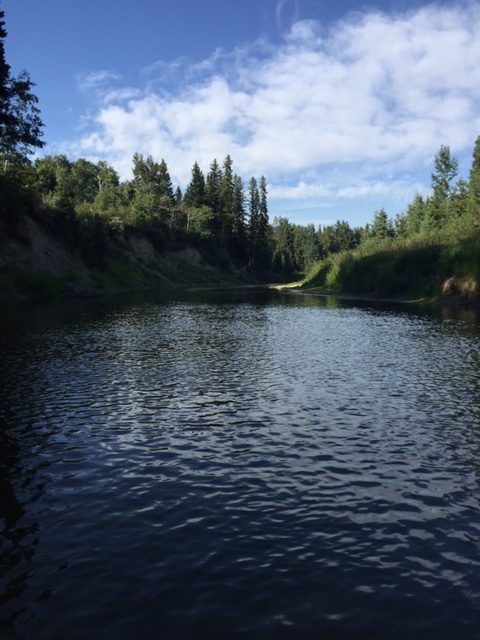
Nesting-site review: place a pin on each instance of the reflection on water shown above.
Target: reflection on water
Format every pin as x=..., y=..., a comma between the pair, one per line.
x=239, y=463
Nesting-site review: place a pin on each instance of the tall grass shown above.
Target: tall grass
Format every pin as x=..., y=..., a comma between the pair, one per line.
x=423, y=265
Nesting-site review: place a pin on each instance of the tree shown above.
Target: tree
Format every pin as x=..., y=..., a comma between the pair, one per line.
x=195, y=192
x=226, y=202
x=213, y=186
x=415, y=215
x=54, y=182
x=283, y=259
x=446, y=168
x=20, y=123
x=108, y=198
x=153, y=189
x=238, y=243
x=473, y=205
x=380, y=227
x=258, y=224
x=164, y=182
x=84, y=179
x=344, y=238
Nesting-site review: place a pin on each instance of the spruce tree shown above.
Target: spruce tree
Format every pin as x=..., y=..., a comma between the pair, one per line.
x=164, y=182
x=195, y=192
x=258, y=225
x=226, y=202
x=213, y=187
x=238, y=243
x=380, y=228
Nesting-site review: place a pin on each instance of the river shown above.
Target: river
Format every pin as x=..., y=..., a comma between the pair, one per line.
x=239, y=464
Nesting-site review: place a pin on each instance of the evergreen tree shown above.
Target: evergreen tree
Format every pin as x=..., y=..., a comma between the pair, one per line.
x=326, y=238
x=226, y=202
x=178, y=197
x=380, y=227
x=238, y=244
x=344, y=238
x=165, y=187
x=400, y=225
x=258, y=225
x=458, y=202
x=253, y=221
x=195, y=192
x=213, y=188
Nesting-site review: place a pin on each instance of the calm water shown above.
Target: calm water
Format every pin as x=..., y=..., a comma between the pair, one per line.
x=247, y=464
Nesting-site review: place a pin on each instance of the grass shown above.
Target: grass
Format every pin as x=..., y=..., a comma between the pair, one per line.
x=424, y=266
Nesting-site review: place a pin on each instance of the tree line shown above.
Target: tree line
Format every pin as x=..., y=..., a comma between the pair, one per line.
x=87, y=201
x=451, y=210
x=215, y=213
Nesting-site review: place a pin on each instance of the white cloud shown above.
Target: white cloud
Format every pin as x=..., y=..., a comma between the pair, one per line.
x=396, y=190
x=96, y=79
x=373, y=90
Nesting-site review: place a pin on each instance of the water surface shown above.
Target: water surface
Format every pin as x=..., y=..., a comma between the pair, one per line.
x=239, y=464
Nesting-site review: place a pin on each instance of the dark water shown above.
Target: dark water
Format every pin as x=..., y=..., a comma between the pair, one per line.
x=244, y=464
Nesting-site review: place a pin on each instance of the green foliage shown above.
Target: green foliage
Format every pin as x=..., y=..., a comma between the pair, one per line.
x=201, y=222
x=381, y=227
x=213, y=187
x=195, y=192
x=473, y=194
x=20, y=123
x=258, y=225
x=415, y=267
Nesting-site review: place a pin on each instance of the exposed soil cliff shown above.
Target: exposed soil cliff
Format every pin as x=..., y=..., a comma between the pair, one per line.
x=36, y=260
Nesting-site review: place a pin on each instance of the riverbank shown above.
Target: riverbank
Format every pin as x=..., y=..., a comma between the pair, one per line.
x=38, y=262
x=427, y=269
x=407, y=300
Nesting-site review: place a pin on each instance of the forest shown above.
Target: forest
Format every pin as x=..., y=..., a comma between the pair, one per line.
x=85, y=202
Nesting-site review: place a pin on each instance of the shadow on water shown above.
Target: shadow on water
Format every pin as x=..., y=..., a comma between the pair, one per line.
x=20, y=488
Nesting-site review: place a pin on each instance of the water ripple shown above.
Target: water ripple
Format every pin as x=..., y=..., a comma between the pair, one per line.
x=241, y=465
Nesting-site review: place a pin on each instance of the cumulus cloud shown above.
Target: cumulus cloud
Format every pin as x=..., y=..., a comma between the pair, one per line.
x=374, y=90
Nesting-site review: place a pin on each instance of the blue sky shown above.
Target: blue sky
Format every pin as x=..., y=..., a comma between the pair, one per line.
x=341, y=105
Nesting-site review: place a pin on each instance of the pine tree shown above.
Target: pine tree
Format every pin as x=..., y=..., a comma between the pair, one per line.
x=258, y=225
x=178, y=197
x=164, y=182
x=213, y=187
x=226, y=202
x=380, y=228
x=238, y=243
x=254, y=214
x=195, y=192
